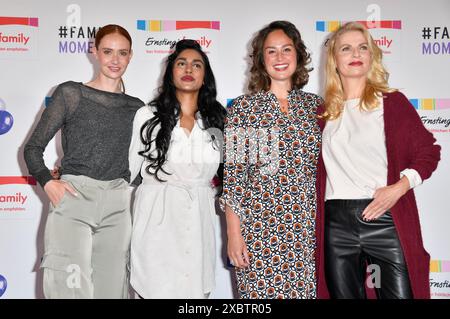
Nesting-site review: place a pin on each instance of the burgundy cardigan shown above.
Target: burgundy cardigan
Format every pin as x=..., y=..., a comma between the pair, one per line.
x=408, y=145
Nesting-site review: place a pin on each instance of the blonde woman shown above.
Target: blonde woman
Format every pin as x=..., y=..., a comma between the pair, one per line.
x=375, y=151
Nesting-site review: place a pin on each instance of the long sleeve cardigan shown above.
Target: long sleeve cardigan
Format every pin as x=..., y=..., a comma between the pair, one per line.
x=408, y=145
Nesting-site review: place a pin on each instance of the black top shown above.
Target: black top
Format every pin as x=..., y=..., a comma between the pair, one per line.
x=96, y=133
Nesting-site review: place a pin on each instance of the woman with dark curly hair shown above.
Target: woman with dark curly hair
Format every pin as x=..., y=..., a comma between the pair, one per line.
x=176, y=146
x=272, y=143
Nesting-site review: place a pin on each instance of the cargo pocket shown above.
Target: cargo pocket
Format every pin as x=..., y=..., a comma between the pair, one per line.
x=57, y=284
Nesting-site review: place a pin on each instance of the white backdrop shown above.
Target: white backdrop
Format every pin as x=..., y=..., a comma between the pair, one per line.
x=39, y=49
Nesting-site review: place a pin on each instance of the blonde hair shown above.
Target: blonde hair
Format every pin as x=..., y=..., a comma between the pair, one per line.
x=377, y=77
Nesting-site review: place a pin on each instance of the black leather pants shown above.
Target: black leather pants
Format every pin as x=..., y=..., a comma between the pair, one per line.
x=351, y=243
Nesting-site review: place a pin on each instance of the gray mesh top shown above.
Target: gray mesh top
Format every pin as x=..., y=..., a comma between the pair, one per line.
x=96, y=133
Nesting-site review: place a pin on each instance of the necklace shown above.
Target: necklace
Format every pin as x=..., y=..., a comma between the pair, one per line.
x=284, y=107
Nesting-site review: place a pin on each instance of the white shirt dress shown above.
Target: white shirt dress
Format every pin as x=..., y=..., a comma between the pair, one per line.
x=173, y=240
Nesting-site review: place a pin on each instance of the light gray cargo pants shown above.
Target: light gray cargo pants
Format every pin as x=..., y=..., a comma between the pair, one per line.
x=87, y=241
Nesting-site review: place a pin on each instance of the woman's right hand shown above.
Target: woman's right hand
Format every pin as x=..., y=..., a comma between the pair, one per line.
x=56, y=174
x=55, y=190
x=236, y=248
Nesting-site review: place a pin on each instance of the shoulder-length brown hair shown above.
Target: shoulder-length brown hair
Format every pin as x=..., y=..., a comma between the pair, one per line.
x=377, y=77
x=259, y=79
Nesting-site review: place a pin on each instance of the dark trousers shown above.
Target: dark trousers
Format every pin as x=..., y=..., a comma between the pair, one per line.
x=351, y=243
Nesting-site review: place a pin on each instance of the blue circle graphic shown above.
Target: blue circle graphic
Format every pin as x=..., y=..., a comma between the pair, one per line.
x=6, y=121
x=3, y=285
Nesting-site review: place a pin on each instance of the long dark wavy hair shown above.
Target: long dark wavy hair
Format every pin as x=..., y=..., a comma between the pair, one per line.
x=167, y=110
x=259, y=78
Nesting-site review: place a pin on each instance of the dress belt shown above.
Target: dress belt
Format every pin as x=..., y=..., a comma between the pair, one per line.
x=178, y=184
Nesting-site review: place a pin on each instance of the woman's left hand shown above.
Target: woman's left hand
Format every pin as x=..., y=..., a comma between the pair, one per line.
x=385, y=198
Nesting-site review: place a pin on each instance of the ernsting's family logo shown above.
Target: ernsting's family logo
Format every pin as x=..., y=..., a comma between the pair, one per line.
x=434, y=113
x=14, y=197
x=17, y=36
x=162, y=39
x=383, y=37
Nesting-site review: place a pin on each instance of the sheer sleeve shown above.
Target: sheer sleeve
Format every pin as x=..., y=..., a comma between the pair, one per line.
x=52, y=119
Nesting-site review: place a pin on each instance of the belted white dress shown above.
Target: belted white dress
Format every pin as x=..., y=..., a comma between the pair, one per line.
x=173, y=240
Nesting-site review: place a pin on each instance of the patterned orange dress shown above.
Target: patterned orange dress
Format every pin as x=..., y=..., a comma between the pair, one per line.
x=270, y=160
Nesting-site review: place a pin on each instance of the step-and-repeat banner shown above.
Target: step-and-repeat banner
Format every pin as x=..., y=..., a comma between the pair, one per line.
x=44, y=43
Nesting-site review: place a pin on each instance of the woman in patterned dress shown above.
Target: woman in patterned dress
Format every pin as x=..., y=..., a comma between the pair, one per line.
x=271, y=148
